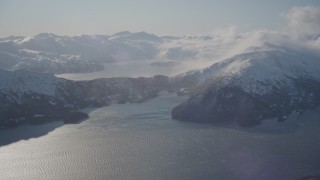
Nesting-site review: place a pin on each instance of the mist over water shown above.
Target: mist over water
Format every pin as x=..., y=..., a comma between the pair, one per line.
x=140, y=69
x=141, y=141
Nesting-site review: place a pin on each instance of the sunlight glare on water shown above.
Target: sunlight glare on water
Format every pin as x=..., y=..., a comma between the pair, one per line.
x=141, y=141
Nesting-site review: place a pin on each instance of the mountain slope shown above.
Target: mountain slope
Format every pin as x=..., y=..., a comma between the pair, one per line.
x=52, y=53
x=253, y=86
x=28, y=97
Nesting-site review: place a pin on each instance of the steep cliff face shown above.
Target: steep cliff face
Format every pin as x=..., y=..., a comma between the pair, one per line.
x=254, y=86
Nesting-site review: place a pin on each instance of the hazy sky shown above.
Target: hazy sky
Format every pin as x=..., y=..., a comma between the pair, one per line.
x=162, y=17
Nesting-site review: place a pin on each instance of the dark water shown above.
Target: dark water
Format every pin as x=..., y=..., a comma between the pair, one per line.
x=140, y=141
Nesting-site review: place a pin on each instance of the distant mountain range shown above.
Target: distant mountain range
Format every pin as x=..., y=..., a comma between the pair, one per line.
x=50, y=53
x=261, y=82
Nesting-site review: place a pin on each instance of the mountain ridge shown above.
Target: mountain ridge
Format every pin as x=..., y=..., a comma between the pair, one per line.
x=251, y=87
x=51, y=53
x=29, y=97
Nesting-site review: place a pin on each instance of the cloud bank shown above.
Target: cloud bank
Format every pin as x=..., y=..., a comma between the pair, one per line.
x=301, y=32
x=304, y=20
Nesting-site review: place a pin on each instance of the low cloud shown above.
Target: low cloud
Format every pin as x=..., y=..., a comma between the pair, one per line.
x=304, y=20
x=302, y=33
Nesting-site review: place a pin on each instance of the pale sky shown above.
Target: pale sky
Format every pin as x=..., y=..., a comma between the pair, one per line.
x=161, y=17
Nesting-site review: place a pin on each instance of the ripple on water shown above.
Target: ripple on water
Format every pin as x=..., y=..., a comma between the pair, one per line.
x=140, y=141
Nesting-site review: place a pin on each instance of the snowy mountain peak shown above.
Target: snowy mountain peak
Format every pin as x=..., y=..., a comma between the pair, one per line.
x=259, y=71
x=122, y=33
x=46, y=35
x=138, y=36
x=253, y=86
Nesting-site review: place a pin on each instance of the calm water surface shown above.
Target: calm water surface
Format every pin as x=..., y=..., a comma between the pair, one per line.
x=140, y=141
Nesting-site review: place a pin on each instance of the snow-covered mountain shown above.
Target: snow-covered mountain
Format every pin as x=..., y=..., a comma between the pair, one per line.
x=262, y=82
x=29, y=97
x=270, y=81
x=51, y=53
x=26, y=95
x=15, y=56
x=47, y=52
x=23, y=81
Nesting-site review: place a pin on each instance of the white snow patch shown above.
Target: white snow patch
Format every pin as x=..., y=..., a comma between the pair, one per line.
x=24, y=82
